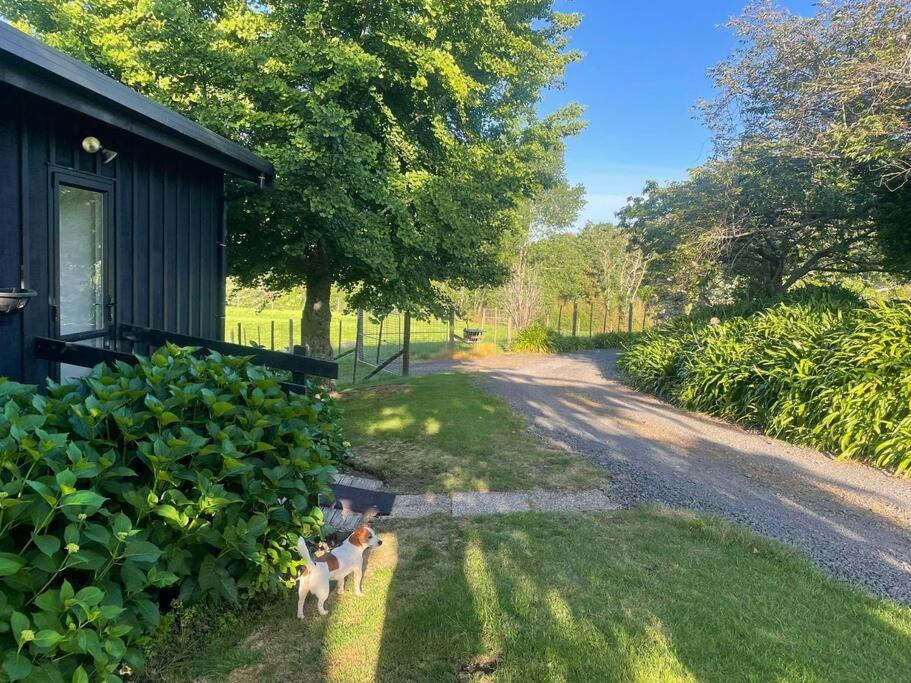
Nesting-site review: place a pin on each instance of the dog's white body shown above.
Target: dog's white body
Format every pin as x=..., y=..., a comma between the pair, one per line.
x=336, y=565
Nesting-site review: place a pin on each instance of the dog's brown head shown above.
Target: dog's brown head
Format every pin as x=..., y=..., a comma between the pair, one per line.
x=364, y=537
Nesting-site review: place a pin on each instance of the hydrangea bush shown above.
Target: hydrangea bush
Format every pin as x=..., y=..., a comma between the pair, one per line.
x=179, y=477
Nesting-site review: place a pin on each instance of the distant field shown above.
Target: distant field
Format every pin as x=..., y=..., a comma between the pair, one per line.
x=272, y=328
x=246, y=325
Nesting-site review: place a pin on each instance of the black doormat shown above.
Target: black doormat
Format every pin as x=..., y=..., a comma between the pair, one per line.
x=364, y=501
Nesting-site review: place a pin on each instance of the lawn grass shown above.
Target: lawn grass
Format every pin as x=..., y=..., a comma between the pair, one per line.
x=637, y=595
x=444, y=433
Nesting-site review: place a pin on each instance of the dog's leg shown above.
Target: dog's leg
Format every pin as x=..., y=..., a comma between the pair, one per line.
x=358, y=577
x=341, y=584
x=321, y=591
x=303, y=588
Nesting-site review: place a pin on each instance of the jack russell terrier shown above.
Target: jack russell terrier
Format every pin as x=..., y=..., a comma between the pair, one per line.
x=348, y=558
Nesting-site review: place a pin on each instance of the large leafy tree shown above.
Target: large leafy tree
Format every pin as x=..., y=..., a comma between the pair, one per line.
x=760, y=221
x=812, y=156
x=835, y=84
x=403, y=132
x=553, y=210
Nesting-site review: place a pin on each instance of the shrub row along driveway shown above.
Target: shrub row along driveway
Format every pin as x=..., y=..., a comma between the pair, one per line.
x=852, y=520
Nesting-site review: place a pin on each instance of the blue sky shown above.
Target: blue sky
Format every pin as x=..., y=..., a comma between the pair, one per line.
x=644, y=67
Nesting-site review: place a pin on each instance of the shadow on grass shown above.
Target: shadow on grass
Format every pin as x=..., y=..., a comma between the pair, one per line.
x=631, y=596
x=634, y=595
x=444, y=433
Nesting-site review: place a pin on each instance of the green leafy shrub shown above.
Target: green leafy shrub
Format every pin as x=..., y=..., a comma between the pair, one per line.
x=815, y=372
x=535, y=338
x=615, y=340
x=569, y=344
x=181, y=477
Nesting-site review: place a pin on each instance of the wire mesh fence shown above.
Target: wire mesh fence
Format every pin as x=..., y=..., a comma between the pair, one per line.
x=365, y=344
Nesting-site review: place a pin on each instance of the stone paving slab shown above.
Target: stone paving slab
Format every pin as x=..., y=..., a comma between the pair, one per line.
x=421, y=505
x=470, y=504
x=570, y=501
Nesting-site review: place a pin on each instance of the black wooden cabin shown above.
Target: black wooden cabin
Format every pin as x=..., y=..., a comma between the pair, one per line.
x=112, y=218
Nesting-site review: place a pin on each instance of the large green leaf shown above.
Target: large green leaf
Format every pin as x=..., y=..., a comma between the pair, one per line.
x=86, y=497
x=10, y=563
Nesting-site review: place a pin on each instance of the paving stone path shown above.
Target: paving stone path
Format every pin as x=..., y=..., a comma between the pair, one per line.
x=472, y=504
x=468, y=503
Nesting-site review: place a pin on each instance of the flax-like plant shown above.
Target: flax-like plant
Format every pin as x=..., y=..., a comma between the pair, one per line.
x=824, y=371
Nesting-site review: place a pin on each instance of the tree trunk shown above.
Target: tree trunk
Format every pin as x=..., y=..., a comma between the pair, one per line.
x=317, y=316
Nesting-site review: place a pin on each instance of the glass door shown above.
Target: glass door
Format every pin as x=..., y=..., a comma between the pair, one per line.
x=84, y=304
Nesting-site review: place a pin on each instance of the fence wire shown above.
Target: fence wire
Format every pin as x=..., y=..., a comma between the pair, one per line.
x=379, y=341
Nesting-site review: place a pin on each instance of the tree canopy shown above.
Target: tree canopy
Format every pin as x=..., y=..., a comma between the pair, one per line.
x=812, y=150
x=403, y=133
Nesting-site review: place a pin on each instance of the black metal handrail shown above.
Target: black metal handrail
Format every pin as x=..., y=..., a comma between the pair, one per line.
x=278, y=360
x=66, y=350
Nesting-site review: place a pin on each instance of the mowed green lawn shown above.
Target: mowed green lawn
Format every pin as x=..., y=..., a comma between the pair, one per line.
x=637, y=595
x=444, y=433
x=643, y=595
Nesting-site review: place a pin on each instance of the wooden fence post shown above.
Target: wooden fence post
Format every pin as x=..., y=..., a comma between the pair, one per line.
x=338, y=350
x=575, y=316
x=379, y=342
x=606, y=316
x=629, y=325
x=452, y=330
x=240, y=336
x=591, y=316
x=358, y=343
x=272, y=327
x=496, y=324
x=291, y=335
x=406, y=345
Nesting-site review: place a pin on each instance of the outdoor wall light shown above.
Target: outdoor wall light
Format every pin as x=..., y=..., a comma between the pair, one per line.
x=92, y=145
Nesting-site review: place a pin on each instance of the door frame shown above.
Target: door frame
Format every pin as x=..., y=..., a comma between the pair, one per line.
x=61, y=175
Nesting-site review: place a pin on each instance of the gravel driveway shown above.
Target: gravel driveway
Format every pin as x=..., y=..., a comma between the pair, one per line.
x=852, y=520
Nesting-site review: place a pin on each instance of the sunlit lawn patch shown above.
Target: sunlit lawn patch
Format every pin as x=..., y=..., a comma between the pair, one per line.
x=444, y=433
x=637, y=595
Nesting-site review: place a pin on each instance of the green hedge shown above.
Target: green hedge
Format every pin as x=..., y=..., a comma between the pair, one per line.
x=537, y=338
x=816, y=372
x=181, y=477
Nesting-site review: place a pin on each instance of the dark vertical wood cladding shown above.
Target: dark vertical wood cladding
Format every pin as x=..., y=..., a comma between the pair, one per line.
x=167, y=218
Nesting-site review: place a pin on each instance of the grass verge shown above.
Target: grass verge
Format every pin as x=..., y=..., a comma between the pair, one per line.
x=444, y=433
x=630, y=596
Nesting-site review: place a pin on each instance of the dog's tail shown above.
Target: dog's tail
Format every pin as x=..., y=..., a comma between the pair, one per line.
x=302, y=549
